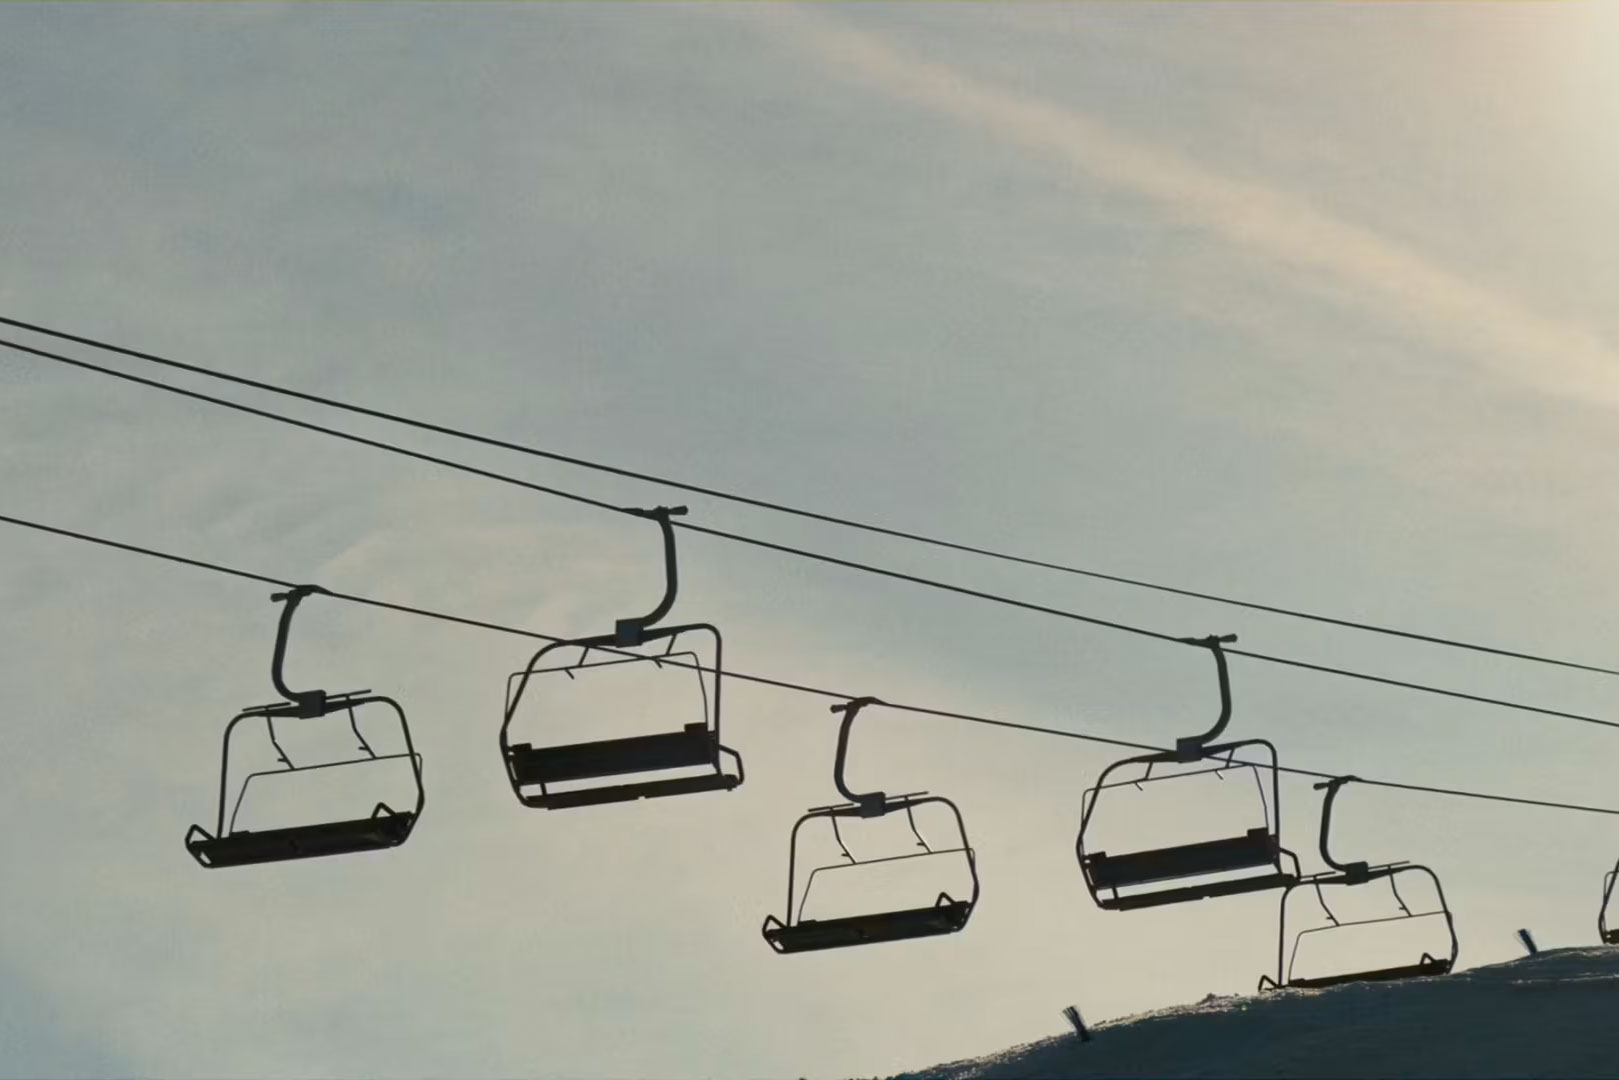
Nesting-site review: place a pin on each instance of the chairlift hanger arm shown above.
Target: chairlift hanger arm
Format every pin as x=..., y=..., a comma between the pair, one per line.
x=633, y=631
x=1353, y=872
x=872, y=803
x=1196, y=747
x=309, y=702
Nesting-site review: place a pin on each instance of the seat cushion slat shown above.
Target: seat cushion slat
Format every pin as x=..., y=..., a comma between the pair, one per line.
x=1255, y=848
x=692, y=746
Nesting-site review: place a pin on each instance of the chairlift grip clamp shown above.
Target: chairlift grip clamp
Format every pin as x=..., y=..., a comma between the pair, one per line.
x=1210, y=641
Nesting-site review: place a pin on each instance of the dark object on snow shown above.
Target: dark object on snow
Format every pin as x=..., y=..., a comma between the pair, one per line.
x=1259, y=848
x=384, y=827
x=1354, y=875
x=531, y=769
x=1528, y=940
x=946, y=915
x=1072, y=1012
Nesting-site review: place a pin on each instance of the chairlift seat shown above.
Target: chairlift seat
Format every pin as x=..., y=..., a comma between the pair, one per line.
x=243, y=848
x=1257, y=847
x=693, y=745
x=810, y=935
x=1428, y=966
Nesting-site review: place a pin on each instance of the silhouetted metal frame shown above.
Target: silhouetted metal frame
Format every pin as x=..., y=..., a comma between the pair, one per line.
x=305, y=704
x=866, y=805
x=1190, y=750
x=1356, y=875
x=518, y=681
x=628, y=633
x=1606, y=936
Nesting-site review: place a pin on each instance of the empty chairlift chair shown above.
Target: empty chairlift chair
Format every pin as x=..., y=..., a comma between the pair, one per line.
x=1123, y=881
x=1609, y=937
x=946, y=915
x=383, y=827
x=1352, y=876
x=694, y=749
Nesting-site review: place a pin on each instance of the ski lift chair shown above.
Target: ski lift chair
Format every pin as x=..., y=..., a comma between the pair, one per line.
x=385, y=827
x=533, y=769
x=1609, y=937
x=946, y=915
x=1355, y=875
x=1140, y=879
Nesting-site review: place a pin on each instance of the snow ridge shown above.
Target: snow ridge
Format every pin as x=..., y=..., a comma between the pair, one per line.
x=1550, y=1015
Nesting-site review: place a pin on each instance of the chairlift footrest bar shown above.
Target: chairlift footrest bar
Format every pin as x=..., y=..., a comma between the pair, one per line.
x=245, y=848
x=649, y=789
x=811, y=935
x=1425, y=969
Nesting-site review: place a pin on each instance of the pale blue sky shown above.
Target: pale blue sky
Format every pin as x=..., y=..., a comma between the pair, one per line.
x=1310, y=303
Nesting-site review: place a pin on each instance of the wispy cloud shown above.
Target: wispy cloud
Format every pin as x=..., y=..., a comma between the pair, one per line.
x=1386, y=279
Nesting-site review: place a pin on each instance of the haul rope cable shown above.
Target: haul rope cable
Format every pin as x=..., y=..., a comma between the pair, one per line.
x=762, y=680
x=783, y=508
x=801, y=552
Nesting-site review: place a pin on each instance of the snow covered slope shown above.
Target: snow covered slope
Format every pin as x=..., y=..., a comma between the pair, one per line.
x=1556, y=1014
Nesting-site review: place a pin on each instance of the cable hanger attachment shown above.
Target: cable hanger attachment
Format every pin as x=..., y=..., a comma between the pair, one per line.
x=307, y=702
x=628, y=633
x=1191, y=748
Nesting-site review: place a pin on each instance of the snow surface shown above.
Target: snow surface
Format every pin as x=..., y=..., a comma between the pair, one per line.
x=1549, y=1015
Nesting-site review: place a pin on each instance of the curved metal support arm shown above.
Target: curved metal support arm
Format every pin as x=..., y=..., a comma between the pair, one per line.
x=1355, y=872
x=629, y=632
x=309, y=702
x=1608, y=880
x=1191, y=748
x=871, y=803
